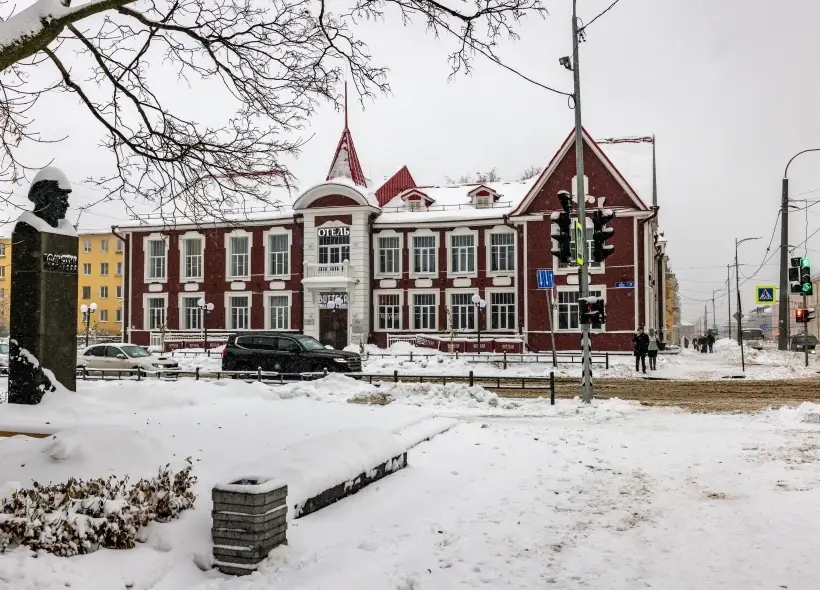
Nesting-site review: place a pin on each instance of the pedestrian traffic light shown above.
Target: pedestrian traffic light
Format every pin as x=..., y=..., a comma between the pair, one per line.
x=794, y=275
x=561, y=233
x=591, y=310
x=601, y=233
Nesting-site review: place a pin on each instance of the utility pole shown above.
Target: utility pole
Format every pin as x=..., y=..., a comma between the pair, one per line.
x=729, y=296
x=705, y=317
x=583, y=278
x=739, y=313
x=714, y=315
x=783, y=304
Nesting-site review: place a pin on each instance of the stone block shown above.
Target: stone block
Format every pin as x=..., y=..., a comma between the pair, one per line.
x=274, y=521
x=228, y=552
x=235, y=569
x=251, y=492
x=240, y=538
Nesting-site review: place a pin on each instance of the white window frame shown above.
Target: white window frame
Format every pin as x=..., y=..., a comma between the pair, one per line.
x=119, y=267
x=566, y=270
x=191, y=235
x=120, y=247
x=100, y=315
x=2, y=272
x=266, y=304
x=448, y=293
x=146, y=312
x=86, y=246
x=118, y=315
x=104, y=244
x=181, y=297
x=107, y=269
x=106, y=292
x=146, y=249
x=488, y=251
x=488, y=296
x=462, y=231
x=118, y=291
x=87, y=265
x=570, y=289
x=277, y=231
x=238, y=233
x=388, y=233
x=228, y=295
x=3, y=250
x=411, y=293
x=423, y=233
x=376, y=294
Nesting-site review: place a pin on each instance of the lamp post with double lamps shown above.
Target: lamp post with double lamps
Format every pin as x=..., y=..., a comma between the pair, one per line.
x=480, y=304
x=87, y=311
x=206, y=308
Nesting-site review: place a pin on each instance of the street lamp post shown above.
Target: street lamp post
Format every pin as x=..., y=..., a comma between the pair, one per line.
x=87, y=311
x=206, y=308
x=480, y=304
x=783, y=303
x=739, y=307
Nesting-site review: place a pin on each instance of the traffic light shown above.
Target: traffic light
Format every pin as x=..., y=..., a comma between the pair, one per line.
x=601, y=233
x=562, y=234
x=794, y=275
x=805, y=277
x=591, y=310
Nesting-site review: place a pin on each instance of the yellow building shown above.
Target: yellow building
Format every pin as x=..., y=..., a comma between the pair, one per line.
x=100, y=270
x=5, y=285
x=672, y=307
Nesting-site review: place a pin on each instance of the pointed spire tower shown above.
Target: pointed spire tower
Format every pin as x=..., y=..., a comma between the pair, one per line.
x=346, y=160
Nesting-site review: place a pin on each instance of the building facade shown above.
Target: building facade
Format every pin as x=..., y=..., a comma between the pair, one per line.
x=100, y=265
x=350, y=265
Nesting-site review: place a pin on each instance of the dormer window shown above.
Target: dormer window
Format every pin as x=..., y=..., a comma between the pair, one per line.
x=415, y=200
x=414, y=204
x=483, y=197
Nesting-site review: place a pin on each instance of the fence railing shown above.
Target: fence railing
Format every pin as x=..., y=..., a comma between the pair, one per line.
x=314, y=270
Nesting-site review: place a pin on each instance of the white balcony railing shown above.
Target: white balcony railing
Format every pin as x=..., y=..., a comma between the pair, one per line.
x=314, y=270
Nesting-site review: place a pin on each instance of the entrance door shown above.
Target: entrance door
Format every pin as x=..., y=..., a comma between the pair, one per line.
x=333, y=327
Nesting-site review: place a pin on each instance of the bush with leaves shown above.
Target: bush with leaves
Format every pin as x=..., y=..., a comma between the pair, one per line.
x=80, y=516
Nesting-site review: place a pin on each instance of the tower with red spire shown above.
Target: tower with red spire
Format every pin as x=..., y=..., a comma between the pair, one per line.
x=346, y=161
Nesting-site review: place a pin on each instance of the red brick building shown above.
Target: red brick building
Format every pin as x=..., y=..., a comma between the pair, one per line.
x=347, y=264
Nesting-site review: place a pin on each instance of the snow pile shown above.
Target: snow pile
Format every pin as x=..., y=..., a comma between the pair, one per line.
x=449, y=395
x=806, y=414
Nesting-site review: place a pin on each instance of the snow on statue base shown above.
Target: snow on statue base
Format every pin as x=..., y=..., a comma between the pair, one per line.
x=43, y=343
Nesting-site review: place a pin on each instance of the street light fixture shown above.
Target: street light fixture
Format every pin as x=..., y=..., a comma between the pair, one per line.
x=335, y=304
x=480, y=304
x=206, y=308
x=87, y=311
x=739, y=307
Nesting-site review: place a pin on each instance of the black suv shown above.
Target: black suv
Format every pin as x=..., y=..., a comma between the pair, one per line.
x=285, y=352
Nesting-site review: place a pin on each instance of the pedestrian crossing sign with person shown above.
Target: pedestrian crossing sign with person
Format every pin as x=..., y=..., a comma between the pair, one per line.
x=765, y=294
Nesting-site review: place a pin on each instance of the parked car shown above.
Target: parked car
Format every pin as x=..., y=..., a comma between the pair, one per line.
x=123, y=357
x=753, y=338
x=4, y=358
x=797, y=343
x=285, y=352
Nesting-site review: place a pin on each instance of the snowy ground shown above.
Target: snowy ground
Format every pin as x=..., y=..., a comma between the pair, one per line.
x=725, y=361
x=518, y=495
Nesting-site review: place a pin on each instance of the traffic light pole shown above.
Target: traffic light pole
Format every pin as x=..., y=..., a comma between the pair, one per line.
x=806, y=334
x=783, y=309
x=583, y=278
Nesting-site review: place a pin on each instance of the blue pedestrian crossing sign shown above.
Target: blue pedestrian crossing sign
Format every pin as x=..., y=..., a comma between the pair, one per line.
x=545, y=279
x=765, y=294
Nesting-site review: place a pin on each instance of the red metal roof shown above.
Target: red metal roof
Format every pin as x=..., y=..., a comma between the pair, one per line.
x=346, y=161
x=400, y=181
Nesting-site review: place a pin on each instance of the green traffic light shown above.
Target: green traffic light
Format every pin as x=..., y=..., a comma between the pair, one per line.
x=805, y=262
x=806, y=287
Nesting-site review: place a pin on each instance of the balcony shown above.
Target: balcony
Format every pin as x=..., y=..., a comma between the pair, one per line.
x=328, y=275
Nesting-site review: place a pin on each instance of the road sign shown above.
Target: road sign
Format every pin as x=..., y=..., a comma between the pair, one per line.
x=625, y=285
x=544, y=278
x=580, y=240
x=737, y=315
x=764, y=327
x=765, y=294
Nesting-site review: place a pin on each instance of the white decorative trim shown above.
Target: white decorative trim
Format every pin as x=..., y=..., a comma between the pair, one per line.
x=461, y=231
x=181, y=308
x=635, y=271
x=191, y=287
x=375, y=304
x=155, y=237
x=266, y=305
x=488, y=310
x=277, y=231
x=388, y=233
x=327, y=189
x=146, y=310
x=423, y=233
x=155, y=288
x=423, y=283
x=574, y=289
x=190, y=235
x=238, y=233
x=410, y=309
x=527, y=284
x=388, y=283
x=488, y=233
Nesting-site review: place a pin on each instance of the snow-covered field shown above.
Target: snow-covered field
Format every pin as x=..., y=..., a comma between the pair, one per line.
x=519, y=495
x=725, y=361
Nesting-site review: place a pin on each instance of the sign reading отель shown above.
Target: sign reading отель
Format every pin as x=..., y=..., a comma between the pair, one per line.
x=332, y=232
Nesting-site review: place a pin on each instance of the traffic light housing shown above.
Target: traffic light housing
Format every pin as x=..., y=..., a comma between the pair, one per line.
x=803, y=316
x=561, y=229
x=601, y=233
x=591, y=310
x=800, y=276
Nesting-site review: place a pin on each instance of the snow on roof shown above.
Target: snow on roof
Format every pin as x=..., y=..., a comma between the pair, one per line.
x=634, y=162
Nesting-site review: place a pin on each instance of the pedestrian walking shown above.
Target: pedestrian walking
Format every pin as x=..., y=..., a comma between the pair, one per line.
x=652, y=350
x=641, y=344
x=704, y=343
x=710, y=340
x=686, y=342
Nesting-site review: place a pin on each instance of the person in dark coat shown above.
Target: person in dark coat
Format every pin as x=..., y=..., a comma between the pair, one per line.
x=704, y=343
x=710, y=339
x=641, y=346
x=686, y=342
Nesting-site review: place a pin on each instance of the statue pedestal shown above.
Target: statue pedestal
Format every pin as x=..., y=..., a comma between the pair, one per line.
x=43, y=313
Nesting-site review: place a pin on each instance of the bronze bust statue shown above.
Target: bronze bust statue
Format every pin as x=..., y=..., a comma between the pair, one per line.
x=49, y=192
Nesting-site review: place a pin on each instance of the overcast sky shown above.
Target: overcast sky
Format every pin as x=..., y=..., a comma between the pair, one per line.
x=729, y=89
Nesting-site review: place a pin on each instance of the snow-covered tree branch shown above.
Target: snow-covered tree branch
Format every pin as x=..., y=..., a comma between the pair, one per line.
x=277, y=59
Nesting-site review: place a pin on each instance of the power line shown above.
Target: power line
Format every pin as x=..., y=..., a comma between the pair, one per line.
x=607, y=9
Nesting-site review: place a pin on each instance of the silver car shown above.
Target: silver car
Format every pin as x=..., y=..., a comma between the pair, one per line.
x=121, y=357
x=4, y=358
